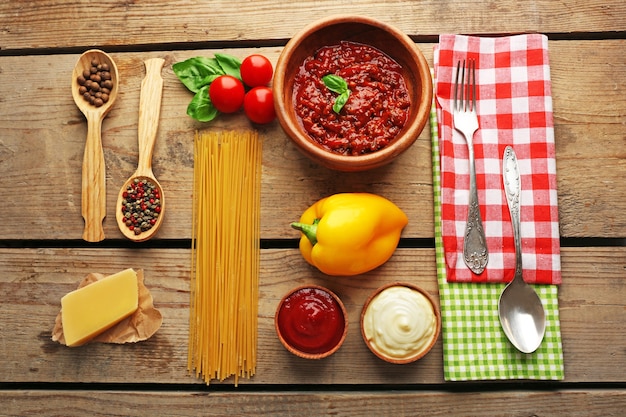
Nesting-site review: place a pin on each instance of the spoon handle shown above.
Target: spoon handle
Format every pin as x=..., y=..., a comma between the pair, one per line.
x=149, y=112
x=93, y=188
x=512, y=189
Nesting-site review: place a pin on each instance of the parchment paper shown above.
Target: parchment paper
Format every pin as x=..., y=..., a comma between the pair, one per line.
x=141, y=325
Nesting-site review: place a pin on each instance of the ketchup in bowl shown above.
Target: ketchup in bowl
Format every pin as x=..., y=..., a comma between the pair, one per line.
x=311, y=322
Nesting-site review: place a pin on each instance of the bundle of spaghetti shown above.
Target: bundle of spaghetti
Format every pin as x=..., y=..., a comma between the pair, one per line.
x=225, y=255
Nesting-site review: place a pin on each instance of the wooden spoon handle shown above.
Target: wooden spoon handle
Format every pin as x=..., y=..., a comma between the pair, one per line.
x=93, y=197
x=149, y=111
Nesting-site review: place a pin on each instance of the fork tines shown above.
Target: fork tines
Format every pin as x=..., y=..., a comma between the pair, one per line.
x=467, y=101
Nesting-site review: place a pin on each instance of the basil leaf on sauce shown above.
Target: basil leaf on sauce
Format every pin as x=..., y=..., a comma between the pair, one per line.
x=338, y=85
x=335, y=83
x=340, y=101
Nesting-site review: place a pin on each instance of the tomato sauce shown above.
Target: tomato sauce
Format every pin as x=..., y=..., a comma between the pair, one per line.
x=376, y=111
x=311, y=320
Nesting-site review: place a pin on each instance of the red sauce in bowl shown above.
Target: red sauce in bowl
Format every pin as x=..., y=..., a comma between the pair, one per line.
x=376, y=111
x=311, y=320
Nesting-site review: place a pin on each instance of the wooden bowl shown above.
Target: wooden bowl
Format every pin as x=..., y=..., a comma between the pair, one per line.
x=288, y=316
x=419, y=353
x=364, y=30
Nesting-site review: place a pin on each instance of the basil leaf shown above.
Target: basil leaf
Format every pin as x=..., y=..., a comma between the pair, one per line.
x=197, y=72
x=200, y=108
x=210, y=78
x=338, y=85
x=340, y=101
x=335, y=83
x=229, y=64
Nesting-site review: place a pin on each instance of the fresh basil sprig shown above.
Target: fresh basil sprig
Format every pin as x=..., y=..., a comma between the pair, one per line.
x=201, y=108
x=197, y=74
x=338, y=85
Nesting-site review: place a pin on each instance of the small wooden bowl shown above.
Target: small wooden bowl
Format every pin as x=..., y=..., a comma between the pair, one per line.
x=364, y=30
x=426, y=348
x=290, y=345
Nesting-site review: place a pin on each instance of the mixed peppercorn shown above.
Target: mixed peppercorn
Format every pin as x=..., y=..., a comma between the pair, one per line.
x=141, y=205
x=95, y=83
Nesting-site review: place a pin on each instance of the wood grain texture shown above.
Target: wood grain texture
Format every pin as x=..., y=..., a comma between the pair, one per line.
x=150, y=98
x=93, y=182
x=591, y=312
x=589, y=129
x=42, y=257
x=571, y=403
x=26, y=24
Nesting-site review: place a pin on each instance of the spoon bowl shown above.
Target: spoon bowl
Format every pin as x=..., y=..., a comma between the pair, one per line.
x=149, y=111
x=521, y=313
x=121, y=218
x=93, y=188
x=522, y=316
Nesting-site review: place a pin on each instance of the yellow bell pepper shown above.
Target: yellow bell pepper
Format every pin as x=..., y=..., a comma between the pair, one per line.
x=350, y=233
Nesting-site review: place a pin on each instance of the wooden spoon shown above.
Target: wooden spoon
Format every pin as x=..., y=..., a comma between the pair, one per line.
x=93, y=200
x=149, y=111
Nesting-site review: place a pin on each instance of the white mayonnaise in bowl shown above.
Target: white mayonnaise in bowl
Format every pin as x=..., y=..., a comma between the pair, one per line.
x=400, y=323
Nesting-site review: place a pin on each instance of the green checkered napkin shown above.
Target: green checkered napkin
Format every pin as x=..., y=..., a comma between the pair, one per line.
x=474, y=345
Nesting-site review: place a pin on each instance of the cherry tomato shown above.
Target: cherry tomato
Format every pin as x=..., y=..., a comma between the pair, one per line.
x=226, y=93
x=258, y=105
x=256, y=70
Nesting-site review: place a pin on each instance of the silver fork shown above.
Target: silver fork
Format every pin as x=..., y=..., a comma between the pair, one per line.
x=475, y=251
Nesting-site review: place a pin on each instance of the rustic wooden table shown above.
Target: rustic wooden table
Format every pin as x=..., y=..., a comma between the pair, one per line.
x=42, y=136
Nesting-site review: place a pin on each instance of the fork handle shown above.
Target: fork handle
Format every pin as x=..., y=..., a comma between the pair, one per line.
x=475, y=253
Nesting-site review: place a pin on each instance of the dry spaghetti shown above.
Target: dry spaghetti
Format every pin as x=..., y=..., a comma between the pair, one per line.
x=225, y=255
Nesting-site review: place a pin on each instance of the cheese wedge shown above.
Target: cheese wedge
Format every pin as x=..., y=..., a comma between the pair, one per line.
x=91, y=310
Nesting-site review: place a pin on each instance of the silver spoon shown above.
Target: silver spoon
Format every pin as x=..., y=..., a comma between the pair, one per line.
x=521, y=313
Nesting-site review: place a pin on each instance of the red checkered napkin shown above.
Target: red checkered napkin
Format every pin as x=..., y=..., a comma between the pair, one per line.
x=514, y=106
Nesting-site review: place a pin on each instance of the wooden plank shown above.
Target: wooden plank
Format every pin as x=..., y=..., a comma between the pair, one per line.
x=55, y=132
x=33, y=282
x=110, y=23
x=569, y=402
x=42, y=124
x=583, y=129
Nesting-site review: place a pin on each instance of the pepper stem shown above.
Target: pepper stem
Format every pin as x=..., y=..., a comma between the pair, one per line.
x=309, y=230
